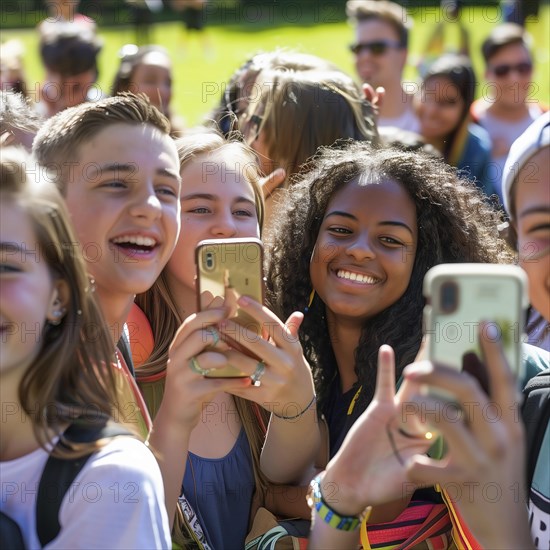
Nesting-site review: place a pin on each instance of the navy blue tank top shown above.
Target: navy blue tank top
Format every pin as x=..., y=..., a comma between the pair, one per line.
x=220, y=491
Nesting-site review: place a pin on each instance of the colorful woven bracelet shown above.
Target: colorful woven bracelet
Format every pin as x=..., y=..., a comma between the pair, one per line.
x=328, y=515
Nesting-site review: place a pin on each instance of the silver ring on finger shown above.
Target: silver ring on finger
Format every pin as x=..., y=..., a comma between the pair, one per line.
x=195, y=367
x=215, y=335
x=258, y=373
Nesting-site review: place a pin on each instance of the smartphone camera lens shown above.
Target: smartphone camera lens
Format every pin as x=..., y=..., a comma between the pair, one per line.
x=448, y=297
x=209, y=260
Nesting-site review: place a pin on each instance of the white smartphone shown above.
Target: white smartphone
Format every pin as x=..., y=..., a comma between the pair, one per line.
x=462, y=296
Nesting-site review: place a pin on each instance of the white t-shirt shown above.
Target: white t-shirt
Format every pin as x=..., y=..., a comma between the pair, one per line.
x=407, y=121
x=503, y=133
x=116, y=501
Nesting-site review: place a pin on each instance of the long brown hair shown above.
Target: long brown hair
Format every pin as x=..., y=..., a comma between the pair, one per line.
x=298, y=112
x=72, y=375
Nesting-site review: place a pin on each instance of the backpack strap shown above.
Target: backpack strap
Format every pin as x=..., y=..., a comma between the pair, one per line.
x=59, y=473
x=536, y=415
x=123, y=345
x=10, y=533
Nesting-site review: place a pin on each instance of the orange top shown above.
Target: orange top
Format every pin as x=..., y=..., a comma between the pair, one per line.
x=142, y=341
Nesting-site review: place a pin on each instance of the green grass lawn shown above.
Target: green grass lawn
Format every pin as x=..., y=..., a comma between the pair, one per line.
x=199, y=77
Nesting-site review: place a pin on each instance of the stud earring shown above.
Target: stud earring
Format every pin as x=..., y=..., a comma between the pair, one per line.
x=91, y=288
x=57, y=317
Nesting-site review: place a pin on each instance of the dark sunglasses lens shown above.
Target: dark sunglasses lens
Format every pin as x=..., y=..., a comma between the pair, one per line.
x=376, y=48
x=521, y=68
x=502, y=70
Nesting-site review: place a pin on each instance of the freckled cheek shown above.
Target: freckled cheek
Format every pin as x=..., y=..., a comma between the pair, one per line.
x=249, y=228
x=193, y=230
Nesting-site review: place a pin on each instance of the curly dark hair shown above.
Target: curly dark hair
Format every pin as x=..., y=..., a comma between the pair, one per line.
x=455, y=224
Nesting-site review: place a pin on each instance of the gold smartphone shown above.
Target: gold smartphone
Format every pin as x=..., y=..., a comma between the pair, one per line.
x=228, y=269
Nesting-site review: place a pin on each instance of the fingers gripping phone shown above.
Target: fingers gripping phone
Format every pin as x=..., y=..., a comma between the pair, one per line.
x=462, y=296
x=228, y=269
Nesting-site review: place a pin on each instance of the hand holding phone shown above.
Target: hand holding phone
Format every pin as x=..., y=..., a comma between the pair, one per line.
x=460, y=297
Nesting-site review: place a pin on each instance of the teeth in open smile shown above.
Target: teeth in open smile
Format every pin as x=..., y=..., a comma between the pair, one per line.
x=357, y=277
x=135, y=239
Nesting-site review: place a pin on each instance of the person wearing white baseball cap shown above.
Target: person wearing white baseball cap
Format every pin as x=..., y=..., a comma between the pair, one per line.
x=526, y=193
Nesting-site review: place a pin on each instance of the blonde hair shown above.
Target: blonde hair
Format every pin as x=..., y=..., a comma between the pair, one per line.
x=72, y=375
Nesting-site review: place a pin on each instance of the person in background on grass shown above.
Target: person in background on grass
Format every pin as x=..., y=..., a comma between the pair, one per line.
x=517, y=11
x=380, y=49
x=12, y=72
x=142, y=17
x=69, y=55
x=193, y=18
x=59, y=379
x=443, y=106
x=506, y=108
x=64, y=11
x=148, y=70
x=449, y=36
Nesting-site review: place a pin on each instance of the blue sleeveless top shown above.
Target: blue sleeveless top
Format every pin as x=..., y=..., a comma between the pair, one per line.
x=220, y=491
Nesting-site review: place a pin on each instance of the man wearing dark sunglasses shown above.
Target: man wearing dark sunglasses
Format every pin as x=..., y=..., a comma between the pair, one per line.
x=507, y=106
x=380, y=51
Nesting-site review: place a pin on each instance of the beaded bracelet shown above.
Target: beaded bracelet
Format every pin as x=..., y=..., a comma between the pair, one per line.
x=308, y=406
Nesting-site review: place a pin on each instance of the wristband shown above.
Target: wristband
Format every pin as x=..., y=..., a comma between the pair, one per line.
x=316, y=501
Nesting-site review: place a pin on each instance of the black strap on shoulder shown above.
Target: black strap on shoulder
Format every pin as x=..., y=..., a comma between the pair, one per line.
x=124, y=347
x=536, y=415
x=59, y=473
x=10, y=533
